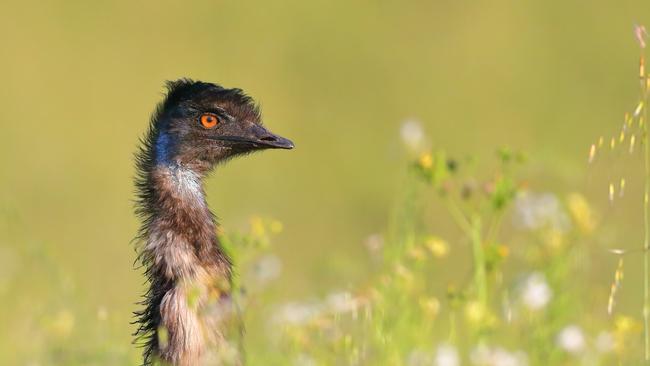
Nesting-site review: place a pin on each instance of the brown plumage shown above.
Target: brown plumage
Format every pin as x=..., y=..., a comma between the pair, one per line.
x=187, y=309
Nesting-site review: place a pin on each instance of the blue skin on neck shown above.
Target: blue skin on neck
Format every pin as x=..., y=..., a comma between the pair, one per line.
x=164, y=147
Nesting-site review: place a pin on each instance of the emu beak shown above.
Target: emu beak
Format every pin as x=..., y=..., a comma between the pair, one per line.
x=263, y=138
x=256, y=137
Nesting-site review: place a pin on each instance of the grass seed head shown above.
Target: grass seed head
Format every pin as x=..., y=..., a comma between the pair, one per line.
x=642, y=67
x=592, y=153
x=638, y=109
x=618, y=277
x=621, y=187
x=641, y=34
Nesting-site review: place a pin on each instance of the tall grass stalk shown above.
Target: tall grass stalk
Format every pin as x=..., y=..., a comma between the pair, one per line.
x=480, y=277
x=639, y=114
x=472, y=228
x=646, y=214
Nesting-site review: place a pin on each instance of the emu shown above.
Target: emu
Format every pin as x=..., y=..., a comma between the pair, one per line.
x=188, y=306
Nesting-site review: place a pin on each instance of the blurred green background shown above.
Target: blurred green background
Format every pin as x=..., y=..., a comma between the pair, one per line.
x=80, y=79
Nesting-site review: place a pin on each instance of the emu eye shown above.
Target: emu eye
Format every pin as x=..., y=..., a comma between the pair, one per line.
x=209, y=120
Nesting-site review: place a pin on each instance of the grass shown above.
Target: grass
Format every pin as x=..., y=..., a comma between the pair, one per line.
x=643, y=78
x=517, y=300
x=521, y=301
x=514, y=307
x=637, y=118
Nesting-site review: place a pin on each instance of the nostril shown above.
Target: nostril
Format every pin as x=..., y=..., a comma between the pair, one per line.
x=268, y=138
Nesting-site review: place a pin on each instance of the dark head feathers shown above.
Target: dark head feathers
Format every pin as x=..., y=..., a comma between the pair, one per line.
x=186, y=91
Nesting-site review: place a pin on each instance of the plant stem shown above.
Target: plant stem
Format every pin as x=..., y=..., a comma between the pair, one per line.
x=457, y=215
x=473, y=230
x=480, y=277
x=646, y=224
x=452, y=326
x=493, y=229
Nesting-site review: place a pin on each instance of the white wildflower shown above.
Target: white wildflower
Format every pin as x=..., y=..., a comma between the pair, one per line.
x=536, y=293
x=447, y=355
x=342, y=302
x=571, y=339
x=604, y=342
x=497, y=356
x=412, y=134
x=267, y=269
x=502, y=357
x=297, y=313
x=304, y=360
x=419, y=358
x=537, y=211
x=374, y=243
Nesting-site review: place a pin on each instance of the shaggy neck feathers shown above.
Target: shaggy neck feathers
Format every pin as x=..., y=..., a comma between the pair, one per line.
x=180, y=252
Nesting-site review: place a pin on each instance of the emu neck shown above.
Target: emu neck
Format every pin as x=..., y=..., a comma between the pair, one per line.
x=183, y=257
x=182, y=236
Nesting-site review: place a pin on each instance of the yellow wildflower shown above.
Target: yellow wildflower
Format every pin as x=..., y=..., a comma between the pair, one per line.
x=257, y=227
x=503, y=251
x=62, y=324
x=426, y=161
x=625, y=324
x=581, y=213
x=431, y=306
x=437, y=246
x=475, y=312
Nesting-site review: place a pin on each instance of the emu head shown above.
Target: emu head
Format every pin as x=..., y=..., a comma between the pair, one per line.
x=201, y=124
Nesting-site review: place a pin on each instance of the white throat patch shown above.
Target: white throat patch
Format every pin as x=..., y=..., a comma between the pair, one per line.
x=189, y=183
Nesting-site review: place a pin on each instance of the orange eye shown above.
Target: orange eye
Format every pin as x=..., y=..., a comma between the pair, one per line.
x=209, y=120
